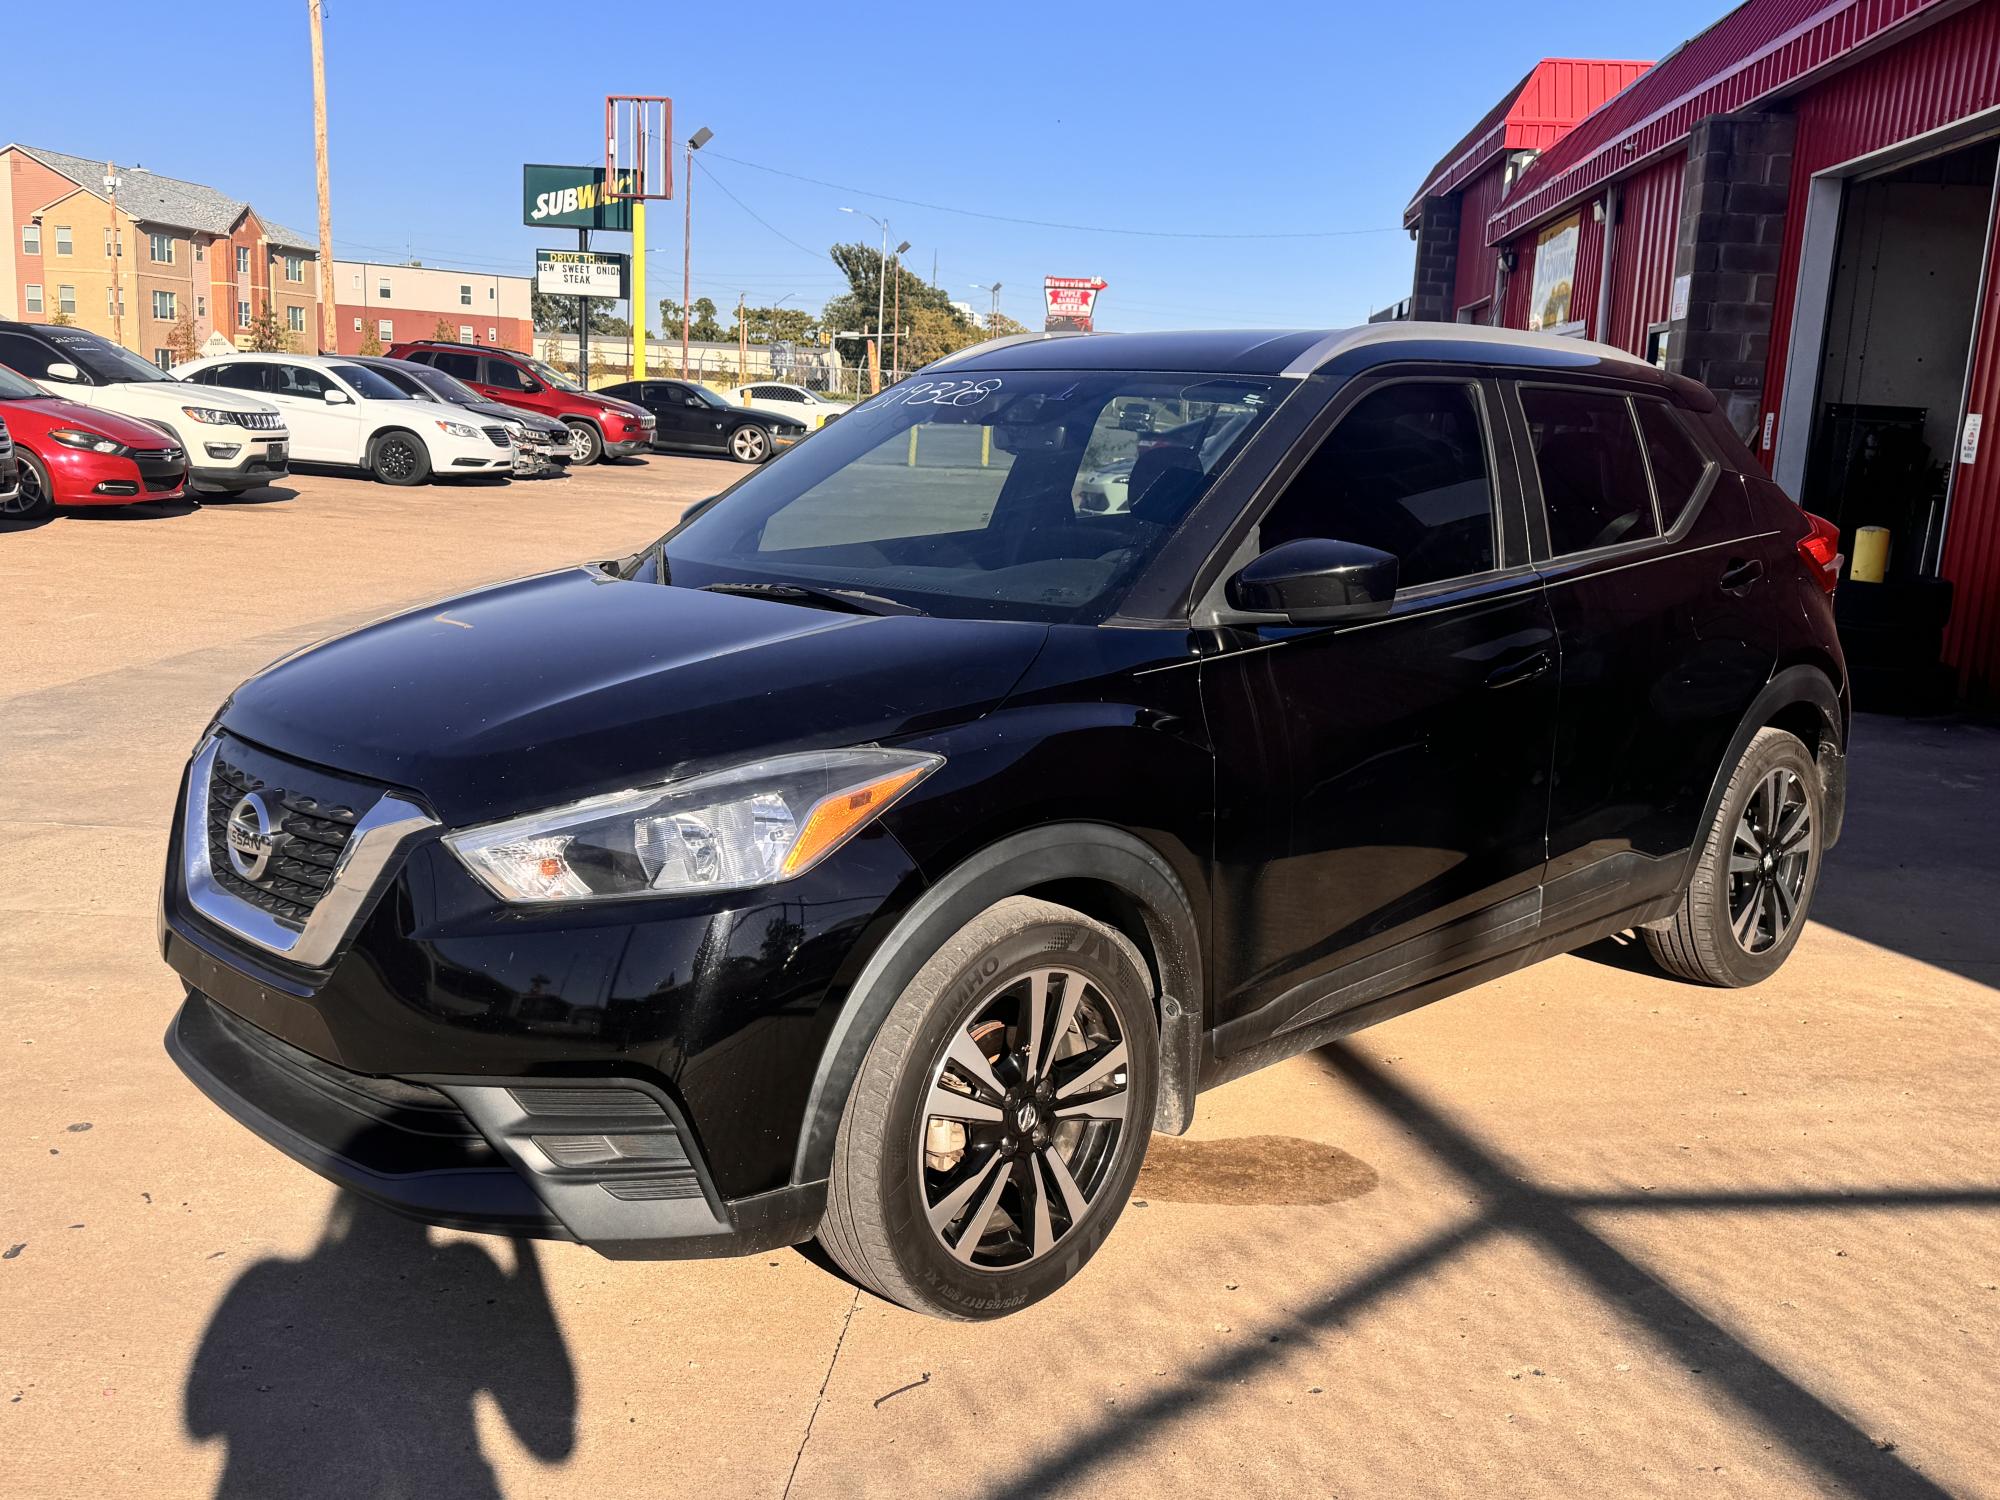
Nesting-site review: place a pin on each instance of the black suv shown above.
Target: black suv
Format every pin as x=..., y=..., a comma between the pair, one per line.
x=886, y=851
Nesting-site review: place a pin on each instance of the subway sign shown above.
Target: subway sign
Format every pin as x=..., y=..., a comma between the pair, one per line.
x=572, y=198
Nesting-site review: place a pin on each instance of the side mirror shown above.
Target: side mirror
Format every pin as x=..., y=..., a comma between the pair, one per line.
x=1314, y=581
x=337, y=397
x=64, y=371
x=531, y=389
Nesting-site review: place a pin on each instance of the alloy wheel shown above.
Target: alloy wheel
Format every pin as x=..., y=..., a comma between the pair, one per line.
x=748, y=445
x=1022, y=1121
x=1770, y=857
x=579, y=444
x=397, y=460
x=28, y=497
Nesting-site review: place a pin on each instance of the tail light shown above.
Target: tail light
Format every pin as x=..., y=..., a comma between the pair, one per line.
x=1819, y=549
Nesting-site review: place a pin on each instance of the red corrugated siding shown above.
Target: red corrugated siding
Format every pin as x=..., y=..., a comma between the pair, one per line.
x=1476, y=260
x=1589, y=266
x=1756, y=50
x=1642, y=259
x=1520, y=283
x=1971, y=558
x=1941, y=74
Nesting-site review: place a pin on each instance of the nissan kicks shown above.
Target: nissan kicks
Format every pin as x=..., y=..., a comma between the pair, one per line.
x=887, y=851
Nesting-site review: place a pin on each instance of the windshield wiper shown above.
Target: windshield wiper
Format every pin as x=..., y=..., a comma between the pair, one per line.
x=853, y=601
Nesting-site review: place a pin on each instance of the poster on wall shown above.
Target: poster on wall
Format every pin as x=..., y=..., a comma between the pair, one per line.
x=1555, y=278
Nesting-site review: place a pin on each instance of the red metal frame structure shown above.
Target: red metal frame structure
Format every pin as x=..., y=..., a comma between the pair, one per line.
x=639, y=140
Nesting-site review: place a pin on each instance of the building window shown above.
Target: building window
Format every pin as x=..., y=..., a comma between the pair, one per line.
x=66, y=301
x=34, y=295
x=382, y=288
x=200, y=250
x=385, y=330
x=357, y=325
x=295, y=318
x=242, y=315
x=357, y=281
x=295, y=268
x=31, y=239
x=466, y=335
x=163, y=305
x=490, y=294
x=492, y=335
x=161, y=248
x=107, y=244
x=464, y=294
x=164, y=358
x=114, y=301
x=201, y=307
x=242, y=260
x=65, y=245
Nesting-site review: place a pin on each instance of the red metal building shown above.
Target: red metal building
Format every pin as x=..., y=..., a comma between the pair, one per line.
x=1798, y=208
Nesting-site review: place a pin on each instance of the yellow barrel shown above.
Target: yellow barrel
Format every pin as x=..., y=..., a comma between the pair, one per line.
x=1871, y=555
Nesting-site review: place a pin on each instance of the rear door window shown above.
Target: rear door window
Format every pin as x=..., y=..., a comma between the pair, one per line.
x=463, y=366
x=241, y=377
x=1679, y=466
x=1405, y=472
x=1595, y=488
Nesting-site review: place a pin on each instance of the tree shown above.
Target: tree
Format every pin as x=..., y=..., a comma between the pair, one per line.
x=705, y=330
x=371, y=343
x=771, y=325
x=554, y=314
x=182, y=342
x=60, y=319
x=267, y=335
x=552, y=356
x=444, y=331
x=924, y=307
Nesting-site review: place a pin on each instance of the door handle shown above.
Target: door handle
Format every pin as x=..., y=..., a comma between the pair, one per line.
x=1521, y=669
x=1739, y=575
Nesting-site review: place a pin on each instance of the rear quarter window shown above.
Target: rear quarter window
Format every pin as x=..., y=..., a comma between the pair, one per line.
x=1679, y=464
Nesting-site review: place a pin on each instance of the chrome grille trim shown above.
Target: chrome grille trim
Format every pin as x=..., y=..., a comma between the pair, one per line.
x=379, y=836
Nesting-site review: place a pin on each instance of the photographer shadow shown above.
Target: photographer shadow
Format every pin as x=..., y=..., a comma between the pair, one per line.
x=355, y=1371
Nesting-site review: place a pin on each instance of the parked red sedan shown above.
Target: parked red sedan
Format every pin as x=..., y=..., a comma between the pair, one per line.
x=77, y=455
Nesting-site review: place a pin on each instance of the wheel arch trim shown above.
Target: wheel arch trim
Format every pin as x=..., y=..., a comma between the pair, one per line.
x=1801, y=685
x=1011, y=867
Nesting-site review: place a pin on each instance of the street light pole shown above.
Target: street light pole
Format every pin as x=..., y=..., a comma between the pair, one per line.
x=695, y=142
x=881, y=288
x=993, y=318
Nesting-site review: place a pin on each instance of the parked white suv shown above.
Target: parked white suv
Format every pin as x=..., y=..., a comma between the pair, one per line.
x=341, y=412
x=793, y=401
x=234, y=442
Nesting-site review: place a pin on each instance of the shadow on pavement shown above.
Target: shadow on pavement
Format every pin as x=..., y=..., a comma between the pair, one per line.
x=354, y=1371
x=1820, y=1437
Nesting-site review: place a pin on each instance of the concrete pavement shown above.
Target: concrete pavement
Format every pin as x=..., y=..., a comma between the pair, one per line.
x=1581, y=1229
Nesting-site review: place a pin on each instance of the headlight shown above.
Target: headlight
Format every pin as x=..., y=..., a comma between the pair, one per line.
x=751, y=825
x=458, y=429
x=213, y=415
x=76, y=437
x=516, y=431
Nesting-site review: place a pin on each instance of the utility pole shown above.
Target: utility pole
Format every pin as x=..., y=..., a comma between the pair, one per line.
x=742, y=340
x=694, y=143
x=329, y=321
x=117, y=256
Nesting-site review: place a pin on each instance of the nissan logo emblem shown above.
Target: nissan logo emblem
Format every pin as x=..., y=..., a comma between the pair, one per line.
x=252, y=840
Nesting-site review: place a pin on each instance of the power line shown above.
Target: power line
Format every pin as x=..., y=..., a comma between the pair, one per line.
x=973, y=213
x=818, y=255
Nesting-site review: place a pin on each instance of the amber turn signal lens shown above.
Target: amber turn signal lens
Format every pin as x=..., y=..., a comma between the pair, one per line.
x=833, y=819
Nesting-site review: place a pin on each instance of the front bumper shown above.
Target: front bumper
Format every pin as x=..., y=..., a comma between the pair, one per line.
x=79, y=477
x=222, y=458
x=602, y=1162
x=422, y=1013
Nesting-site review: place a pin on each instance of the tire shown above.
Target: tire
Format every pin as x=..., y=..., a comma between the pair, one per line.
x=586, y=443
x=398, y=458
x=898, y=1168
x=1748, y=901
x=749, y=445
x=36, y=499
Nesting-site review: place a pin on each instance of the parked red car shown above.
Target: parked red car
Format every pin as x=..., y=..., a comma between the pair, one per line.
x=76, y=455
x=599, y=425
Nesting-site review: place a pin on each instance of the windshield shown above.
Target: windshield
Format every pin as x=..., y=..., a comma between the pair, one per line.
x=548, y=376
x=14, y=388
x=708, y=397
x=968, y=496
x=99, y=358
x=371, y=383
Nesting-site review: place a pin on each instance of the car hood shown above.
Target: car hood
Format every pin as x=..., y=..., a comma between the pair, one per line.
x=539, y=692
x=167, y=397
x=532, y=420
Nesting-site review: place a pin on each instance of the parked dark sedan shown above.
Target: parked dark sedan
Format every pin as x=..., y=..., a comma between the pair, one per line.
x=541, y=444
x=693, y=418
x=888, y=850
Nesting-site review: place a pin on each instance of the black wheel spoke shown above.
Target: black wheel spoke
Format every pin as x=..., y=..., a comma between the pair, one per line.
x=1770, y=858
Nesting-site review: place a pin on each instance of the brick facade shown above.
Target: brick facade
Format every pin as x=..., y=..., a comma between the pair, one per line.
x=1434, y=289
x=1732, y=226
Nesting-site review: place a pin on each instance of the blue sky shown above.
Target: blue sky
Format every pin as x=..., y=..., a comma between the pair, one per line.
x=1190, y=119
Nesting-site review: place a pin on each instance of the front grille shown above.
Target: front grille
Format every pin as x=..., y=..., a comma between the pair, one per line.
x=302, y=868
x=155, y=455
x=498, y=435
x=261, y=421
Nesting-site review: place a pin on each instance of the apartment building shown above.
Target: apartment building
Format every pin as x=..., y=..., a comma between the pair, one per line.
x=128, y=253
x=391, y=302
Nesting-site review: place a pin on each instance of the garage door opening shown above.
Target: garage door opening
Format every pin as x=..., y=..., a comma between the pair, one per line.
x=1901, y=309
